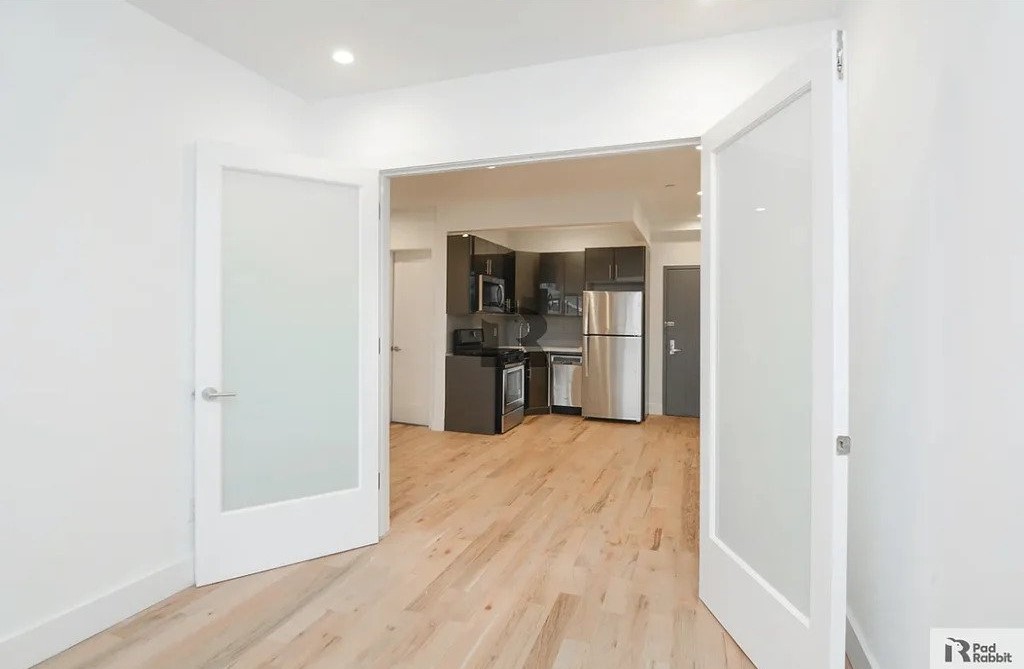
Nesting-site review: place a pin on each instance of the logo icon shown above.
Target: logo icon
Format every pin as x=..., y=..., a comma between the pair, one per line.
x=963, y=650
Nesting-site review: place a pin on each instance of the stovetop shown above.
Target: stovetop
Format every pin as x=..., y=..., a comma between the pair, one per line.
x=505, y=354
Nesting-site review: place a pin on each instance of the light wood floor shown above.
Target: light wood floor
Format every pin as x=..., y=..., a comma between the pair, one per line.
x=565, y=543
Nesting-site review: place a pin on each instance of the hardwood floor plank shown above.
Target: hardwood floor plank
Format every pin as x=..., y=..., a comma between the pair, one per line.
x=562, y=544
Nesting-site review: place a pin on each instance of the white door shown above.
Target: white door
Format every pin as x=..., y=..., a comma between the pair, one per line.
x=286, y=360
x=774, y=489
x=411, y=349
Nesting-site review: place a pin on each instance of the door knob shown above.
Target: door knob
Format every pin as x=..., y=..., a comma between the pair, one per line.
x=396, y=349
x=210, y=394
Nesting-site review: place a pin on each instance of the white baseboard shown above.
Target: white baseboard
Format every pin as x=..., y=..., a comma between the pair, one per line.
x=859, y=654
x=654, y=409
x=29, y=647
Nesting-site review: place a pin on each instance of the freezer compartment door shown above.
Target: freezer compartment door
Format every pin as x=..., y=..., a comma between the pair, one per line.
x=613, y=312
x=612, y=377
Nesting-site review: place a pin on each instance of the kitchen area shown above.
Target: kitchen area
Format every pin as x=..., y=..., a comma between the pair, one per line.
x=545, y=288
x=543, y=332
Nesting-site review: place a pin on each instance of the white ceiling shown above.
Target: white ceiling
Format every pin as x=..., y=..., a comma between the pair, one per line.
x=664, y=183
x=405, y=42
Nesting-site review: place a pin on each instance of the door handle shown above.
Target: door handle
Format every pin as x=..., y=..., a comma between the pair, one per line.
x=396, y=349
x=672, y=350
x=609, y=272
x=210, y=394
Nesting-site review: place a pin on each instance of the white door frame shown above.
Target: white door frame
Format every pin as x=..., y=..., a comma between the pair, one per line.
x=385, y=256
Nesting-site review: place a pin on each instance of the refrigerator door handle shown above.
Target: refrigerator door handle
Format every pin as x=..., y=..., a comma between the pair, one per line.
x=586, y=358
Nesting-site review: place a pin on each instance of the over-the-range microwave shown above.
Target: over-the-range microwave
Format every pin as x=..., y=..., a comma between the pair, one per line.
x=490, y=294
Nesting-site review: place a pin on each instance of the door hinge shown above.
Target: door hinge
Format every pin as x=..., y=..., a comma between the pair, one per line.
x=378, y=480
x=842, y=445
x=840, y=64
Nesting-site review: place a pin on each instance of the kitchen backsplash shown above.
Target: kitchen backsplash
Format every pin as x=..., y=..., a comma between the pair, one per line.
x=544, y=330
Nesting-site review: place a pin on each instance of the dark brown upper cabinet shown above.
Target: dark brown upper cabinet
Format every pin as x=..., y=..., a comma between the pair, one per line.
x=575, y=283
x=460, y=275
x=618, y=265
x=560, y=281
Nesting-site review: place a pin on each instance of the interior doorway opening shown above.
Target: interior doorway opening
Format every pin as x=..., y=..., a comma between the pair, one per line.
x=410, y=225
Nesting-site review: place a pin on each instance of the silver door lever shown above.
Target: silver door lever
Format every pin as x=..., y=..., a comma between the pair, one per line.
x=210, y=394
x=672, y=350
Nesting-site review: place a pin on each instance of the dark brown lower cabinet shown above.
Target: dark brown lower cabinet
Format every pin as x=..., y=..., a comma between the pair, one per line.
x=537, y=383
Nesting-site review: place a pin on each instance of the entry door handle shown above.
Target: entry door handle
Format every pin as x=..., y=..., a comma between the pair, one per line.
x=396, y=349
x=672, y=350
x=210, y=394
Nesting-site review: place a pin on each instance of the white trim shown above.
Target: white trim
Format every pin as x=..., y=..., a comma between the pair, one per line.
x=29, y=647
x=384, y=383
x=544, y=156
x=857, y=651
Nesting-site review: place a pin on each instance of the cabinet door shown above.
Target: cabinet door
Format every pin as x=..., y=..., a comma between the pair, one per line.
x=459, y=275
x=630, y=263
x=574, y=283
x=550, y=283
x=537, y=386
x=599, y=265
x=525, y=281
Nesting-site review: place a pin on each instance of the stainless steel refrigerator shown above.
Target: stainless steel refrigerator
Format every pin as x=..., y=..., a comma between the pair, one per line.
x=613, y=354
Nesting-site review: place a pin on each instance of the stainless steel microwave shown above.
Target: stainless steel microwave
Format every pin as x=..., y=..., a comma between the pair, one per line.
x=490, y=294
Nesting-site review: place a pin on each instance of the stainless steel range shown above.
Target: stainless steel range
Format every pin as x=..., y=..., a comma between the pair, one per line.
x=509, y=365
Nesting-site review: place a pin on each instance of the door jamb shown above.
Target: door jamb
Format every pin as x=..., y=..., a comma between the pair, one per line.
x=384, y=283
x=664, y=305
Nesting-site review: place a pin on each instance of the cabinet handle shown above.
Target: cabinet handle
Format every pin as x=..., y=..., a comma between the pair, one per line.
x=609, y=272
x=616, y=271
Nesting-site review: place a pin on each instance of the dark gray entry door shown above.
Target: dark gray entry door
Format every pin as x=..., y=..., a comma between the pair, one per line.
x=682, y=342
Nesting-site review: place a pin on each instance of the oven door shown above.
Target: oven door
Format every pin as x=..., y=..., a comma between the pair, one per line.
x=513, y=388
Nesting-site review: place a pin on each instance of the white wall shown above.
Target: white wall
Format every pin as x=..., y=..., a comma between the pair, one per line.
x=102, y=106
x=936, y=532
x=412, y=228
x=662, y=254
x=556, y=240
x=668, y=92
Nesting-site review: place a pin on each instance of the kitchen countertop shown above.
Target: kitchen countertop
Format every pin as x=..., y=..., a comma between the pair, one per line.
x=570, y=347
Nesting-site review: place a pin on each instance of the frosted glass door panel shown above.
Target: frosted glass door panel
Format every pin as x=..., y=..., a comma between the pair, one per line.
x=290, y=318
x=763, y=497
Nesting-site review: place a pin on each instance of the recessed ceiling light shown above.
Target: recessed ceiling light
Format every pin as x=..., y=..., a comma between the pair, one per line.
x=759, y=209
x=465, y=234
x=343, y=57
x=699, y=193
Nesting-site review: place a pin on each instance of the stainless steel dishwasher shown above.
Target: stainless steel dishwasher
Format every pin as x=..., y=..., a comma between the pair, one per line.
x=566, y=382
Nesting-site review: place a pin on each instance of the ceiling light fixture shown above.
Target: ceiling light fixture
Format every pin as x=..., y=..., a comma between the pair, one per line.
x=492, y=167
x=699, y=193
x=759, y=209
x=698, y=147
x=465, y=234
x=700, y=216
x=343, y=57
